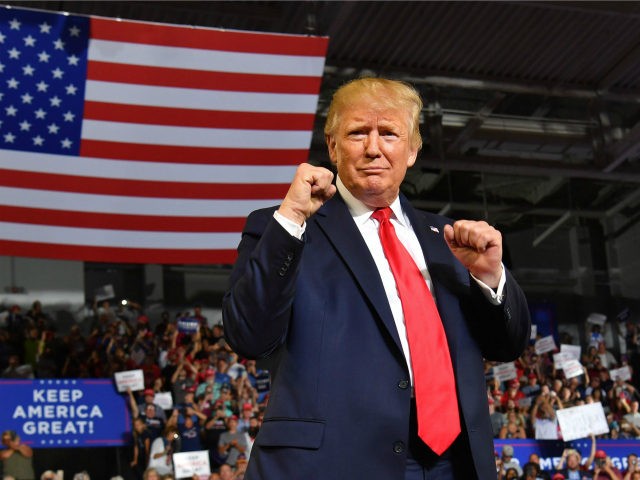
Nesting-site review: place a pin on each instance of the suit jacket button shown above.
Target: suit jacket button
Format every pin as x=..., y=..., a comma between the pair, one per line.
x=282, y=271
x=398, y=447
x=403, y=384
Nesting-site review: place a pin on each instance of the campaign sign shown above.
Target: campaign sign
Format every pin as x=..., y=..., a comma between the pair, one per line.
x=545, y=344
x=133, y=379
x=188, y=464
x=582, y=421
x=59, y=413
x=188, y=325
x=505, y=371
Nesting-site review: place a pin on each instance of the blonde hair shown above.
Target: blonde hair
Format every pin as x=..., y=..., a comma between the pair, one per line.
x=379, y=92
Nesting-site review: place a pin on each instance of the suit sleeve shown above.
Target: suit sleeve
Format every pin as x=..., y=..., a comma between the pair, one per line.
x=504, y=330
x=256, y=307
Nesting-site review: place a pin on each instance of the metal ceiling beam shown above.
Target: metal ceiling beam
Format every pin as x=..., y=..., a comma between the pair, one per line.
x=475, y=123
x=552, y=228
x=522, y=88
x=629, y=146
x=629, y=61
x=499, y=166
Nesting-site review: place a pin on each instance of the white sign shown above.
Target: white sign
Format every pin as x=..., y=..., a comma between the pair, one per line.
x=597, y=318
x=534, y=331
x=104, y=293
x=505, y=371
x=133, y=379
x=582, y=421
x=572, y=368
x=525, y=402
x=545, y=344
x=559, y=359
x=188, y=464
x=573, y=351
x=163, y=400
x=623, y=373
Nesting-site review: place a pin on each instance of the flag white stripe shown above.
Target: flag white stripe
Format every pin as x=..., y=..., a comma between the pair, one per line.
x=86, y=202
x=194, y=136
x=177, y=97
x=151, y=171
x=208, y=60
x=96, y=237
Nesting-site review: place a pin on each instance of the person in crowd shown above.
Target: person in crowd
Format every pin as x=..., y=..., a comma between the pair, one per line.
x=232, y=443
x=226, y=472
x=507, y=460
x=543, y=419
x=571, y=465
x=155, y=424
x=17, y=457
x=633, y=417
x=318, y=245
x=214, y=426
x=141, y=447
x=603, y=468
x=632, y=466
x=498, y=420
x=151, y=474
x=49, y=475
x=162, y=450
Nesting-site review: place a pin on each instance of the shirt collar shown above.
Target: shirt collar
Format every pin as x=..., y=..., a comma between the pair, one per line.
x=360, y=212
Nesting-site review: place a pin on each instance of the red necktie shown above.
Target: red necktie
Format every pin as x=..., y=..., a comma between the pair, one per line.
x=434, y=384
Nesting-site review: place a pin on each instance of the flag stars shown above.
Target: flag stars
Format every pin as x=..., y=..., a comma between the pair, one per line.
x=11, y=111
x=2, y=37
x=25, y=126
x=43, y=57
x=26, y=98
x=73, y=60
x=58, y=44
x=66, y=143
x=53, y=128
x=29, y=41
x=74, y=31
x=14, y=53
x=9, y=137
x=41, y=86
x=12, y=83
x=38, y=141
x=28, y=70
x=55, y=101
x=45, y=28
x=69, y=116
x=57, y=73
x=71, y=89
x=1, y=67
x=14, y=24
x=40, y=114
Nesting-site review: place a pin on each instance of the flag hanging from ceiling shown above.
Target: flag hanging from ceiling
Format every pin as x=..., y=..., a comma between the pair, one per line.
x=125, y=141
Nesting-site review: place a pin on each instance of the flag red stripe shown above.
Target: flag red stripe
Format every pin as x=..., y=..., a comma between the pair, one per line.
x=230, y=41
x=147, y=223
x=194, y=155
x=186, y=117
x=199, y=79
x=114, y=254
x=140, y=188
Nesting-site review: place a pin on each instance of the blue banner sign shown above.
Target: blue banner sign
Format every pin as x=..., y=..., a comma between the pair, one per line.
x=60, y=413
x=188, y=325
x=550, y=451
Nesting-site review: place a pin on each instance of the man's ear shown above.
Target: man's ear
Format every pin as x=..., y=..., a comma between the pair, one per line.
x=331, y=146
x=412, y=158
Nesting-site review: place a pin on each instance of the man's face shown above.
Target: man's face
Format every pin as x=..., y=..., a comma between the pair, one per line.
x=372, y=151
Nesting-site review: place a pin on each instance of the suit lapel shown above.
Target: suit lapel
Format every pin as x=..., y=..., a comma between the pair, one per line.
x=337, y=224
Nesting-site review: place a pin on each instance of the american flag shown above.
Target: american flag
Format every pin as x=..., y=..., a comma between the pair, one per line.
x=126, y=141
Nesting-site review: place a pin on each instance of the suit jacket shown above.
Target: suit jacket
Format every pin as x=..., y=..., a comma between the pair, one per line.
x=340, y=397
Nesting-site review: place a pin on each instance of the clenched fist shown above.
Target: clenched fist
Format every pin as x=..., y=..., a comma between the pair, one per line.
x=310, y=188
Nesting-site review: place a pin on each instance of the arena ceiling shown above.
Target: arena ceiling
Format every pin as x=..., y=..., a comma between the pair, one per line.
x=532, y=109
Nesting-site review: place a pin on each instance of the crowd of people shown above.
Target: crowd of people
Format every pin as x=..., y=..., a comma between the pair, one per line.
x=219, y=398
x=526, y=406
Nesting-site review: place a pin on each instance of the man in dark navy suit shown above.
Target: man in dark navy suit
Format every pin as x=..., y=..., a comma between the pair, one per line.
x=315, y=287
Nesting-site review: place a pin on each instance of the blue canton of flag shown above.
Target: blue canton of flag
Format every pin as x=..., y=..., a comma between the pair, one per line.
x=43, y=65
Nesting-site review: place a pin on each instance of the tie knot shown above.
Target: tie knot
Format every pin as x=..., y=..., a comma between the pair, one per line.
x=382, y=214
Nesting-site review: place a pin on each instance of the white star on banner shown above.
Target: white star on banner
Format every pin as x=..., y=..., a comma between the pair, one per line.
x=42, y=87
x=38, y=141
x=25, y=126
x=55, y=101
x=44, y=57
x=12, y=83
x=71, y=89
x=58, y=44
x=29, y=41
x=74, y=31
x=73, y=60
x=45, y=28
x=69, y=116
x=57, y=73
x=11, y=111
x=15, y=24
x=28, y=70
x=9, y=137
x=40, y=113
x=14, y=53
x=26, y=98
x=66, y=143
x=53, y=128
